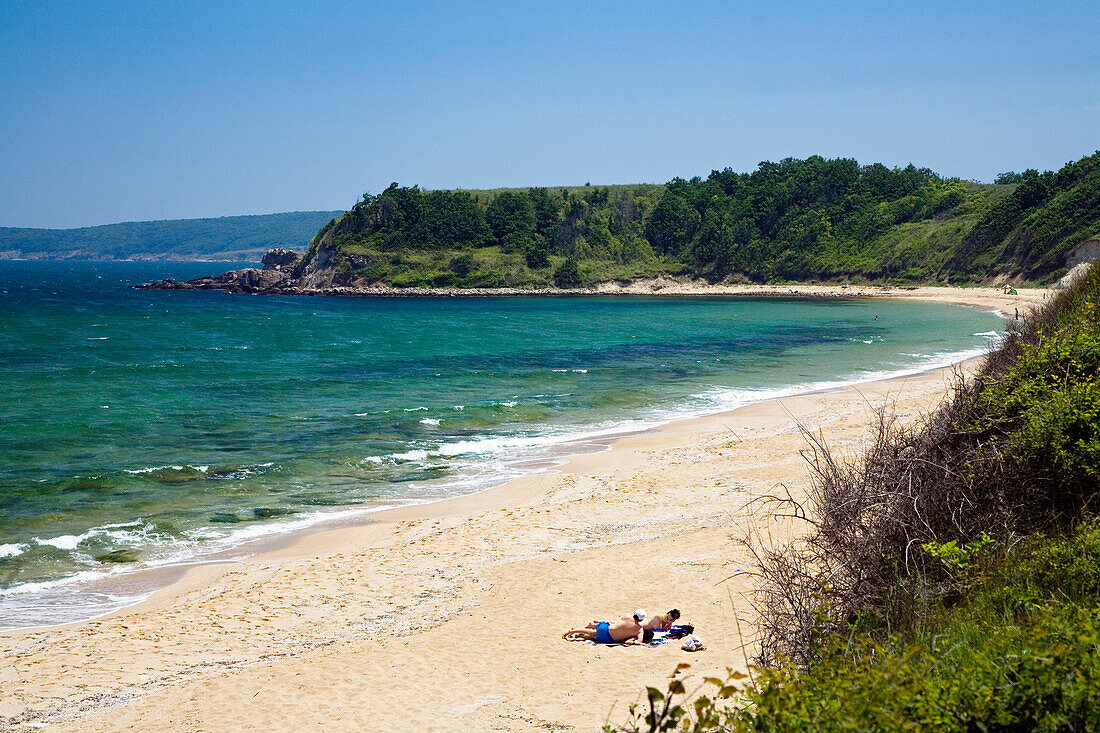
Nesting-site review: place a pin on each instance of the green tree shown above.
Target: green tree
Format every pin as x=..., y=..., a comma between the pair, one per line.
x=548, y=213
x=672, y=225
x=568, y=274
x=511, y=217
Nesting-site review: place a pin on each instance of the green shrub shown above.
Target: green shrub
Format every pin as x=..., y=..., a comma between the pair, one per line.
x=568, y=274
x=1020, y=652
x=951, y=580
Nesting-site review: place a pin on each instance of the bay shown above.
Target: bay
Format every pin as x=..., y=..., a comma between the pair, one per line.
x=145, y=428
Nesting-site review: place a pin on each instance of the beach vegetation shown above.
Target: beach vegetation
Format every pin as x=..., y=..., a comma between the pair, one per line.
x=950, y=577
x=568, y=274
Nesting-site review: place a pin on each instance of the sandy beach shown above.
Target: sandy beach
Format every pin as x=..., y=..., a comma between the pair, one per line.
x=448, y=616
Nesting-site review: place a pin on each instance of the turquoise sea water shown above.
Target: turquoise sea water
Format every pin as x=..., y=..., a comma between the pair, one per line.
x=167, y=425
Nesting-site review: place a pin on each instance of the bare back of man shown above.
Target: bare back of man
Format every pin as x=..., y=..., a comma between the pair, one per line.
x=625, y=630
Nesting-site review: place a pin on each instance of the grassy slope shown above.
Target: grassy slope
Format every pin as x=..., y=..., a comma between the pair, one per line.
x=907, y=252
x=1032, y=242
x=919, y=251
x=903, y=253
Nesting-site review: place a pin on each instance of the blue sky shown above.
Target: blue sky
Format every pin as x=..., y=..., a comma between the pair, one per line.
x=115, y=111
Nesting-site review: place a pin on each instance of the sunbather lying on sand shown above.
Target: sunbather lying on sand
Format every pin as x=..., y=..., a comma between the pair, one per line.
x=662, y=621
x=623, y=631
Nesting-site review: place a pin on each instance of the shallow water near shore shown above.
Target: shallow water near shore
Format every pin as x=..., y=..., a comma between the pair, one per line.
x=146, y=428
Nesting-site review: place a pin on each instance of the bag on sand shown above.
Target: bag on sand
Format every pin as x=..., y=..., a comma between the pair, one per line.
x=693, y=644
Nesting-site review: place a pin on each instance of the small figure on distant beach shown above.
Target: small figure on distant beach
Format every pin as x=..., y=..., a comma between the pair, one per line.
x=625, y=630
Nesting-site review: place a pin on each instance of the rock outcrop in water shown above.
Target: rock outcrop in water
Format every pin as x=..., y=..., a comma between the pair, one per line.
x=249, y=280
x=283, y=260
x=278, y=275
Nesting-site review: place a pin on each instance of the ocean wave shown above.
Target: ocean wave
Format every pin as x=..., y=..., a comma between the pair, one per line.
x=138, y=532
x=729, y=399
x=409, y=455
x=154, y=469
x=75, y=597
x=182, y=471
x=83, y=576
x=474, y=474
x=12, y=550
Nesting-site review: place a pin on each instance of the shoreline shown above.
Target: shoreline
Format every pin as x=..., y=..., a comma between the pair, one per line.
x=440, y=603
x=150, y=580
x=257, y=281
x=479, y=585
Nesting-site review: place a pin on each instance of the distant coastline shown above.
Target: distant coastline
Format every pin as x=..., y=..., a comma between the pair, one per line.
x=219, y=239
x=279, y=279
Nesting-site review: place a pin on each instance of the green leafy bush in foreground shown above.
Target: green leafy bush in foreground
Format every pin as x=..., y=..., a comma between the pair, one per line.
x=951, y=578
x=1022, y=652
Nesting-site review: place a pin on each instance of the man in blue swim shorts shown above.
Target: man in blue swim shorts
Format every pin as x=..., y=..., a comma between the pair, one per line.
x=626, y=630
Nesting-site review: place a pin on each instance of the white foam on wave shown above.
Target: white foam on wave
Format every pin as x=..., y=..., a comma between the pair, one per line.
x=76, y=597
x=507, y=453
x=64, y=542
x=83, y=576
x=247, y=470
x=429, y=421
x=152, y=469
x=409, y=455
x=217, y=539
x=12, y=550
x=136, y=532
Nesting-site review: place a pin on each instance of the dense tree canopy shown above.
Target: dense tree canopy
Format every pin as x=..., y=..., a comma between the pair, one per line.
x=812, y=219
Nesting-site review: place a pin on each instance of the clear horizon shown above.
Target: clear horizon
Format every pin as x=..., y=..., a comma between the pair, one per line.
x=131, y=112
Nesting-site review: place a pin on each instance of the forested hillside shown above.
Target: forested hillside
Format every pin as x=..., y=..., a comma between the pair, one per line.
x=795, y=220
x=228, y=238
x=1030, y=232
